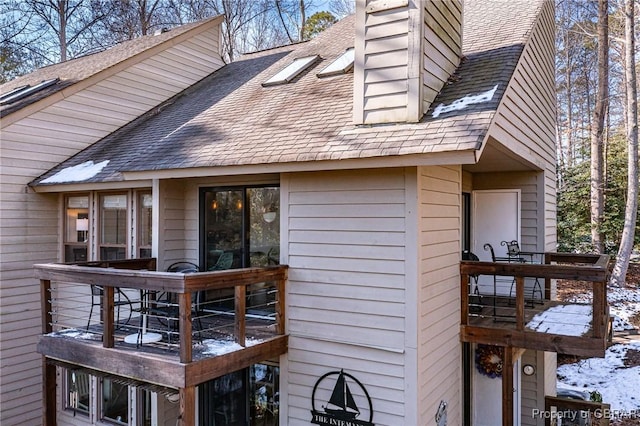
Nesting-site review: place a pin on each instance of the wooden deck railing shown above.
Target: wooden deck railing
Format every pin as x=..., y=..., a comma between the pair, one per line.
x=140, y=274
x=480, y=328
x=578, y=411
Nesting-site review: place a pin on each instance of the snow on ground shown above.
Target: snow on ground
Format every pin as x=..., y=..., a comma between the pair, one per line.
x=623, y=304
x=619, y=385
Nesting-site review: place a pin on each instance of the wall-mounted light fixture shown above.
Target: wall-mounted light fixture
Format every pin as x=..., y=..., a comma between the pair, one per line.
x=269, y=216
x=528, y=370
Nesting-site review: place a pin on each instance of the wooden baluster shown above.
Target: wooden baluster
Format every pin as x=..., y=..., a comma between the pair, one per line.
x=241, y=302
x=185, y=328
x=280, y=301
x=108, y=327
x=520, y=303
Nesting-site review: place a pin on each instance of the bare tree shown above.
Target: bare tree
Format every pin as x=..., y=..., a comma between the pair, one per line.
x=292, y=15
x=128, y=19
x=342, y=8
x=68, y=20
x=597, y=129
x=618, y=276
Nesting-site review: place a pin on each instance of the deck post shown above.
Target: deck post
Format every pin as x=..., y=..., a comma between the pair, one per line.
x=49, y=370
x=464, y=299
x=507, y=387
x=187, y=415
x=598, y=320
x=241, y=305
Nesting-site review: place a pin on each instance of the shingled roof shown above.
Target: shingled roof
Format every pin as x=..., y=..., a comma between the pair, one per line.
x=78, y=69
x=230, y=119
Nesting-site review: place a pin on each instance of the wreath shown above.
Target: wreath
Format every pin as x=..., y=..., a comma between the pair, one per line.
x=489, y=360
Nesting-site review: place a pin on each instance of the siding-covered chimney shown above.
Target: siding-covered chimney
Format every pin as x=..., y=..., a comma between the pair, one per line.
x=405, y=50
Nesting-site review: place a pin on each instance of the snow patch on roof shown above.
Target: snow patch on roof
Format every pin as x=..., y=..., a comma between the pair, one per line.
x=464, y=102
x=77, y=173
x=567, y=320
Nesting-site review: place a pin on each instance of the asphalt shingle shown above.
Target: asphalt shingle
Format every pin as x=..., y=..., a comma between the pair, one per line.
x=229, y=118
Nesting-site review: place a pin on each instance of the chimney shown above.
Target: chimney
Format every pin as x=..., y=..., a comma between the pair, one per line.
x=405, y=50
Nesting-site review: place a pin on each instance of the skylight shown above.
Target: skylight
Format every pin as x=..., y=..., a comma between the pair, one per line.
x=24, y=91
x=12, y=92
x=291, y=71
x=343, y=64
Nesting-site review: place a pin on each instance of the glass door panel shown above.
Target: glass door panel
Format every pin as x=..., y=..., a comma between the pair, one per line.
x=264, y=226
x=223, y=229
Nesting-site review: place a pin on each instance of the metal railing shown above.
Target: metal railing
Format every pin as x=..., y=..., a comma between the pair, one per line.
x=509, y=302
x=127, y=304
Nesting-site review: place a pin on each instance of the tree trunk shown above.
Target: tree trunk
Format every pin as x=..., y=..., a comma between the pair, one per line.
x=568, y=71
x=61, y=7
x=618, y=276
x=597, y=130
x=303, y=19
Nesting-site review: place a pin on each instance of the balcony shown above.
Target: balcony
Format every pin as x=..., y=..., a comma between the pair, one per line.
x=99, y=315
x=514, y=304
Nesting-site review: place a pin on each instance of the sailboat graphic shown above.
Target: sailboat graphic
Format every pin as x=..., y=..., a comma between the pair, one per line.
x=342, y=399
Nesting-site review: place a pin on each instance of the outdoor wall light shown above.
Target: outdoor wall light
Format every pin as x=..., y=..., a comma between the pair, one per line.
x=528, y=370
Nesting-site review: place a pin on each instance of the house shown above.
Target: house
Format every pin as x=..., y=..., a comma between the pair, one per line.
x=322, y=194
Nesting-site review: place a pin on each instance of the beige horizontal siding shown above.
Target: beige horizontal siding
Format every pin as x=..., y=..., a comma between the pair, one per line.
x=346, y=294
x=442, y=33
x=439, y=355
x=30, y=222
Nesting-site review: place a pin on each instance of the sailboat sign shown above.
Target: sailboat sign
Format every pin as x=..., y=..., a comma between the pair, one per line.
x=341, y=408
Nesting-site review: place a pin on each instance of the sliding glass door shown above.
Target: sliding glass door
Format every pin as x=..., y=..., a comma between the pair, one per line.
x=241, y=227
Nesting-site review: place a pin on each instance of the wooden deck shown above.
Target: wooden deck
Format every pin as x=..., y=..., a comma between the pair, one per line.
x=505, y=322
x=196, y=345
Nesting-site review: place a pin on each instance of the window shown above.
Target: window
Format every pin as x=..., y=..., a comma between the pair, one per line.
x=78, y=395
x=144, y=407
x=342, y=65
x=292, y=70
x=115, y=401
x=113, y=226
x=252, y=392
x=76, y=233
x=242, y=223
x=144, y=224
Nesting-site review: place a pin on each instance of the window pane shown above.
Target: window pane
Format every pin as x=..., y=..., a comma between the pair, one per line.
x=264, y=226
x=223, y=401
x=223, y=229
x=115, y=401
x=144, y=221
x=264, y=385
x=78, y=391
x=76, y=228
x=113, y=219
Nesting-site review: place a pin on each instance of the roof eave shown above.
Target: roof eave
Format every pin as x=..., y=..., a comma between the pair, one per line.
x=27, y=110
